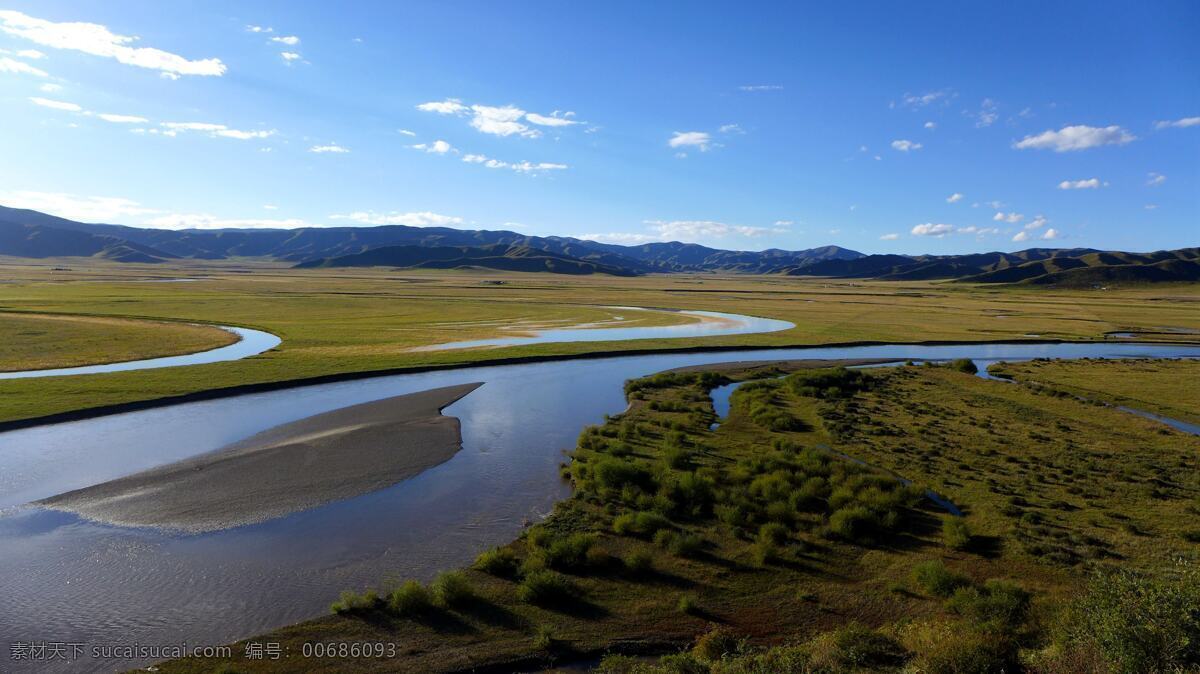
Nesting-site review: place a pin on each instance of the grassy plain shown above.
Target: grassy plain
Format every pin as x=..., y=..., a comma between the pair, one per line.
x=758, y=534
x=362, y=320
x=41, y=341
x=1165, y=387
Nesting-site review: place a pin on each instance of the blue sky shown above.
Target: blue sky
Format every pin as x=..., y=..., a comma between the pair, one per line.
x=884, y=127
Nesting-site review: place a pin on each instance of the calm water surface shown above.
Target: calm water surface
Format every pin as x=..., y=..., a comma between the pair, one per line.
x=67, y=579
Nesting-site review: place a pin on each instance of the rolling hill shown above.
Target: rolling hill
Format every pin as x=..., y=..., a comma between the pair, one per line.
x=495, y=256
x=26, y=233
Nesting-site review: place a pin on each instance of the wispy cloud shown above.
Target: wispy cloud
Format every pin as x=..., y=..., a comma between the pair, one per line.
x=332, y=148
x=98, y=40
x=436, y=147
x=503, y=120
x=954, y=198
x=1153, y=179
x=122, y=119
x=987, y=114
x=1178, y=123
x=450, y=106
x=8, y=65
x=56, y=105
x=556, y=118
x=1010, y=218
x=289, y=40
x=1074, y=138
x=1086, y=184
x=75, y=207
x=520, y=167
x=412, y=219
x=760, y=87
x=928, y=98
x=208, y=221
x=889, y=237
x=215, y=130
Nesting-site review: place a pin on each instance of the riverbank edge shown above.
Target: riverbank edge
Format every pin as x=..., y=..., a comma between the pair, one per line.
x=264, y=387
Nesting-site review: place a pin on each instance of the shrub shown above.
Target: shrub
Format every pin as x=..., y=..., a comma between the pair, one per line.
x=955, y=533
x=497, y=562
x=614, y=474
x=410, y=599
x=833, y=383
x=772, y=533
x=854, y=648
x=452, y=589
x=352, y=603
x=570, y=553
x=964, y=365
x=640, y=524
x=639, y=562
x=853, y=523
x=543, y=638
x=1140, y=623
x=717, y=644
x=944, y=648
x=688, y=604
x=546, y=588
x=686, y=545
x=688, y=495
x=677, y=458
x=937, y=580
x=764, y=552
x=999, y=606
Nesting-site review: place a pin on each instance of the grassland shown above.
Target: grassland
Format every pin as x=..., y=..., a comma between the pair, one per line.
x=761, y=535
x=1164, y=387
x=41, y=341
x=367, y=320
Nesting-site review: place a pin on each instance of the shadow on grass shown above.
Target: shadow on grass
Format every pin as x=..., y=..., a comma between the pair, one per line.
x=494, y=615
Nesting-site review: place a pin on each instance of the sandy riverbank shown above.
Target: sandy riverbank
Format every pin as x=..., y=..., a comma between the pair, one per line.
x=295, y=466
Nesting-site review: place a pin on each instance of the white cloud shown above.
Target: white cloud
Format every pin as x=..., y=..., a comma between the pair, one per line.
x=436, y=147
x=905, y=145
x=889, y=237
x=697, y=139
x=623, y=238
x=1087, y=184
x=332, y=148
x=206, y=221
x=519, y=167
x=954, y=198
x=987, y=113
x=922, y=100
x=978, y=231
x=931, y=229
x=930, y=125
x=259, y=29
x=555, y=118
x=290, y=56
x=697, y=229
x=56, y=105
x=50, y=88
x=31, y=54
x=1179, y=123
x=731, y=128
x=406, y=132
x=1021, y=236
x=1051, y=234
x=501, y=121
x=761, y=87
x=414, y=219
x=1036, y=223
x=270, y=207
x=1153, y=179
x=289, y=40
x=75, y=207
x=214, y=130
x=8, y=65
x=784, y=223
x=1073, y=138
x=1010, y=218
x=122, y=119
x=1150, y=207
x=97, y=40
x=450, y=106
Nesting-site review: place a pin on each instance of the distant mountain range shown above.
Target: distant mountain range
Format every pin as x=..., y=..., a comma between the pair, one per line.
x=25, y=233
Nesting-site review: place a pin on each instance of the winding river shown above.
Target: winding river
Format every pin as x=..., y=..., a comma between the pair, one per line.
x=250, y=343
x=67, y=579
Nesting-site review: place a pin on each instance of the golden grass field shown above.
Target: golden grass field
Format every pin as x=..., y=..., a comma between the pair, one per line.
x=363, y=320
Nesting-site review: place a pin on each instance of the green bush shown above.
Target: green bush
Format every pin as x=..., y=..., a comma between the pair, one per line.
x=353, y=603
x=546, y=588
x=497, y=561
x=686, y=545
x=773, y=533
x=836, y=383
x=640, y=523
x=956, y=534
x=688, y=604
x=614, y=474
x=998, y=606
x=639, y=562
x=854, y=523
x=853, y=648
x=1140, y=623
x=570, y=553
x=717, y=644
x=452, y=589
x=964, y=365
x=937, y=580
x=410, y=599
x=688, y=495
